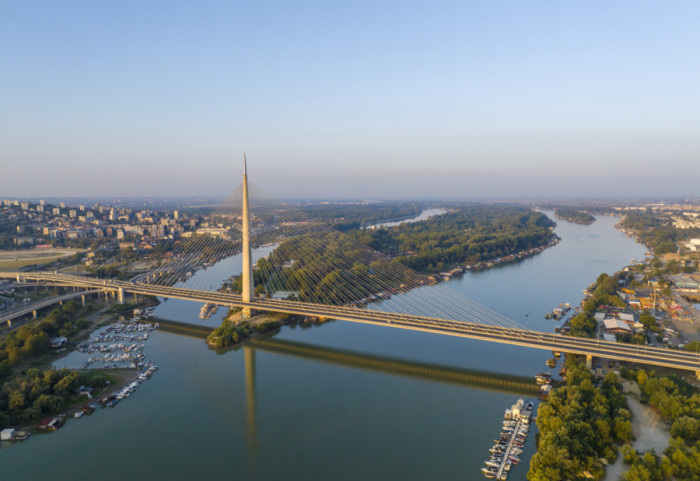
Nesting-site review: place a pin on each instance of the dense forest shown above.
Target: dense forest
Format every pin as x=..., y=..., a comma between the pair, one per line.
x=574, y=215
x=467, y=234
x=580, y=424
x=329, y=267
x=333, y=267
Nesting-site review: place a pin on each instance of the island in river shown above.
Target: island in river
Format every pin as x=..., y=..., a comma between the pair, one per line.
x=574, y=215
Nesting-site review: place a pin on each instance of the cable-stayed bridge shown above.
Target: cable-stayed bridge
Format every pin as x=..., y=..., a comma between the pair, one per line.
x=553, y=342
x=324, y=273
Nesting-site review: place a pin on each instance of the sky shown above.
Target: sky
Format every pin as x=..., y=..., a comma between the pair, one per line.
x=360, y=99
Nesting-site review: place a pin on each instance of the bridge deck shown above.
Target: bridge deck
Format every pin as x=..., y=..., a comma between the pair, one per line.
x=539, y=340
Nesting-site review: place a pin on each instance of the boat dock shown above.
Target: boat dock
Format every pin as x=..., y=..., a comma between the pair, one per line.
x=505, y=453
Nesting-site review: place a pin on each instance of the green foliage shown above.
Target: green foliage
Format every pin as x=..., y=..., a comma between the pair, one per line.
x=583, y=325
x=649, y=322
x=679, y=403
x=35, y=393
x=686, y=427
x=93, y=379
x=320, y=272
x=227, y=335
x=334, y=268
x=578, y=425
x=574, y=215
x=469, y=234
x=656, y=230
x=648, y=467
x=32, y=340
x=267, y=326
x=346, y=216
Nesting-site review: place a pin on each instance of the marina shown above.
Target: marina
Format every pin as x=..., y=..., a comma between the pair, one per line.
x=507, y=449
x=112, y=399
x=118, y=346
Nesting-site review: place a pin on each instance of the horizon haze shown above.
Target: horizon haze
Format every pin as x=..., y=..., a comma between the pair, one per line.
x=365, y=100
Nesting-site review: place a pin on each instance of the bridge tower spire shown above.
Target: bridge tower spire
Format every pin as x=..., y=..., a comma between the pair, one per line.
x=247, y=290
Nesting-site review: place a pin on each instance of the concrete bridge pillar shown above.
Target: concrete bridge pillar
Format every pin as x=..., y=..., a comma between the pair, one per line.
x=60, y=303
x=19, y=279
x=589, y=361
x=9, y=323
x=697, y=375
x=83, y=299
x=33, y=314
x=120, y=295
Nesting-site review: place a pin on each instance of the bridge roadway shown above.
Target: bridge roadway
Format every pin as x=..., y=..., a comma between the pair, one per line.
x=675, y=359
x=29, y=309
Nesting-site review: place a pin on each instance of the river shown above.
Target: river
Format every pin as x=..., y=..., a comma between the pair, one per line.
x=261, y=415
x=426, y=214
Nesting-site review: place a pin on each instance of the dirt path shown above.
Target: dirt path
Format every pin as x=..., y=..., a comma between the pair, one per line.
x=650, y=430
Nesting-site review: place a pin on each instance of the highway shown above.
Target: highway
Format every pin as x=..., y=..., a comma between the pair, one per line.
x=649, y=355
x=28, y=309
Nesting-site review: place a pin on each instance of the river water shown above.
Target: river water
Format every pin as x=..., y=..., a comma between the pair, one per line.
x=265, y=415
x=426, y=214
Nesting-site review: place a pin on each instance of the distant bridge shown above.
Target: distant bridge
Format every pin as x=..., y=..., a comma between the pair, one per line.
x=34, y=307
x=676, y=359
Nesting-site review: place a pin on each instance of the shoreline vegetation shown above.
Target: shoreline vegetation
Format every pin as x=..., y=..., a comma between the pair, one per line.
x=574, y=215
x=655, y=230
x=580, y=425
x=31, y=389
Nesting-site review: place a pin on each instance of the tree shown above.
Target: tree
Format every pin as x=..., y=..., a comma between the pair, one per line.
x=16, y=401
x=687, y=428
x=649, y=322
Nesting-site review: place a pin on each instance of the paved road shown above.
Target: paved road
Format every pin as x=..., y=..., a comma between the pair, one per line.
x=28, y=309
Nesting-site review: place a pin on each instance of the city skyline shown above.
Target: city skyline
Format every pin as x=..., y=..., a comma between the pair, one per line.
x=380, y=101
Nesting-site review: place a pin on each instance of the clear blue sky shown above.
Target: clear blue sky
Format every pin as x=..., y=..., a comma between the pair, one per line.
x=353, y=99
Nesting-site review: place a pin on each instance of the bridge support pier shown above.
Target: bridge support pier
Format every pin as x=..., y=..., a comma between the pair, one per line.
x=83, y=299
x=33, y=314
x=697, y=375
x=19, y=279
x=120, y=295
x=589, y=361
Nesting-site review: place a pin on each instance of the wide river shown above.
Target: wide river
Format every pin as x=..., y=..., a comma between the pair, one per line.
x=254, y=414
